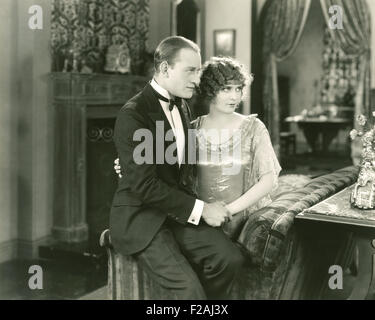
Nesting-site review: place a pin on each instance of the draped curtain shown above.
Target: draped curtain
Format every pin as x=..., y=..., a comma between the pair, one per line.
x=86, y=28
x=355, y=40
x=283, y=26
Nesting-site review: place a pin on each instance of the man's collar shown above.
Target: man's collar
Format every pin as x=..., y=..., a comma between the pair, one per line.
x=159, y=89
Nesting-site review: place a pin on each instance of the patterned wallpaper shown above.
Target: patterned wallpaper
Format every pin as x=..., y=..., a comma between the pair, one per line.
x=84, y=29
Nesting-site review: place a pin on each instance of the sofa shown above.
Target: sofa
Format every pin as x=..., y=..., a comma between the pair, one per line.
x=284, y=260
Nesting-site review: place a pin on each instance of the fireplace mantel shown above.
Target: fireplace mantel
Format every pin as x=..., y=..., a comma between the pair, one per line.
x=75, y=98
x=95, y=89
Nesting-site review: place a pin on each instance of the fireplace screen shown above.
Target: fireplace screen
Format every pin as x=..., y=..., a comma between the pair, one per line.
x=101, y=178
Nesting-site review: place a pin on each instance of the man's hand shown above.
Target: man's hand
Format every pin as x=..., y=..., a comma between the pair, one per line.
x=215, y=214
x=117, y=167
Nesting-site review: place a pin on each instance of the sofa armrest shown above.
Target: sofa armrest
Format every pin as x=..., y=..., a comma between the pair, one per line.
x=266, y=230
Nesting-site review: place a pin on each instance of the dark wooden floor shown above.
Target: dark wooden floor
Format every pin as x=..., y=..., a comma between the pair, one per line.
x=60, y=280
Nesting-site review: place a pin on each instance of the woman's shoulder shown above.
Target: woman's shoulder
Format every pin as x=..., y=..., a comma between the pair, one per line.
x=197, y=122
x=253, y=126
x=249, y=117
x=253, y=120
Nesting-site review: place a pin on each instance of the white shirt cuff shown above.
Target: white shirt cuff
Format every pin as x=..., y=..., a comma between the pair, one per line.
x=196, y=214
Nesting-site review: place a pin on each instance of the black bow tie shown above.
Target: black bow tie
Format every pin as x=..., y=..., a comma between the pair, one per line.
x=172, y=102
x=175, y=102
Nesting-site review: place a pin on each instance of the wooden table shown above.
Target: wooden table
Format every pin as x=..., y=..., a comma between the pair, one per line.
x=338, y=212
x=312, y=128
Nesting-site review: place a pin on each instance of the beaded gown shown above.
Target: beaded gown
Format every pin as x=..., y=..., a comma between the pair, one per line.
x=227, y=168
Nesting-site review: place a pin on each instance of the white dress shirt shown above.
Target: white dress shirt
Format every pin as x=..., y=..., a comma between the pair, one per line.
x=175, y=121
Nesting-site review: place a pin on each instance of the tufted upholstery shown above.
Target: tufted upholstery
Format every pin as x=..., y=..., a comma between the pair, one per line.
x=264, y=233
x=279, y=260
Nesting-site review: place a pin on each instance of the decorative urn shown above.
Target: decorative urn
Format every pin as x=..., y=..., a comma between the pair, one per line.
x=363, y=194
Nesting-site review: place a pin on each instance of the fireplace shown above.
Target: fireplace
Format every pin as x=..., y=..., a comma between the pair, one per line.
x=101, y=180
x=85, y=107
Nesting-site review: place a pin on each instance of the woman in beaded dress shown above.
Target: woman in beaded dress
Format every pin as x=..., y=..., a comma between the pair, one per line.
x=236, y=163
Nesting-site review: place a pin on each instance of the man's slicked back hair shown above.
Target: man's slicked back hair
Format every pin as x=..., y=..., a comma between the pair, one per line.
x=170, y=47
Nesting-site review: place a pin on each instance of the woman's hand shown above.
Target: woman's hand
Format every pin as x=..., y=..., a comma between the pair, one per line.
x=229, y=209
x=229, y=212
x=117, y=168
x=215, y=214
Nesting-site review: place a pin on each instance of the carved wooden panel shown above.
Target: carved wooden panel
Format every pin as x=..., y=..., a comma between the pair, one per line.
x=72, y=97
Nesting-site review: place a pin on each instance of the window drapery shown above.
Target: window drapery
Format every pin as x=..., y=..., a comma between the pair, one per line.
x=283, y=27
x=355, y=40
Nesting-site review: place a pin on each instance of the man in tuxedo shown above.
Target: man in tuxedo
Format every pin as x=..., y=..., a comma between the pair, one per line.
x=155, y=216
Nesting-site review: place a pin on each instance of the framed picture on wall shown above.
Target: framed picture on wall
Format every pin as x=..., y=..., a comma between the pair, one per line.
x=225, y=42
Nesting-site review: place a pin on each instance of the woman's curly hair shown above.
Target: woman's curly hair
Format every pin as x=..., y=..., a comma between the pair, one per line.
x=217, y=73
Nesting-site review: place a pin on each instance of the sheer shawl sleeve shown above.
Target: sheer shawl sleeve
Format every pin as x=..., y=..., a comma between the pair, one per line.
x=265, y=160
x=262, y=160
